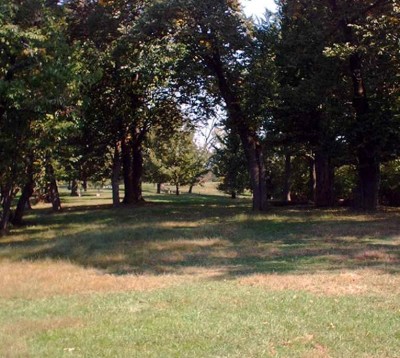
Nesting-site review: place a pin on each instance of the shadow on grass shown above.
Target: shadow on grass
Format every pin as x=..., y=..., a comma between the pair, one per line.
x=182, y=234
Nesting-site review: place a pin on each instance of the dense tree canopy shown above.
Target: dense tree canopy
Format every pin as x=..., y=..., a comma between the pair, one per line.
x=100, y=90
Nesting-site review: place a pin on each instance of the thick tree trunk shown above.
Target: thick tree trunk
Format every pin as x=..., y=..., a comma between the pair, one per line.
x=366, y=193
x=53, y=193
x=137, y=167
x=74, y=188
x=7, y=197
x=132, y=160
x=84, y=185
x=27, y=191
x=23, y=201
x=288, y=179
x=324, y=180
x=159, y=188
x=116, y=172
x=127, y=162
x=255, y=160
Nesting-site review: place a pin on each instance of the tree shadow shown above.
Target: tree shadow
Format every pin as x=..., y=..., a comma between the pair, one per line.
x=206, y=233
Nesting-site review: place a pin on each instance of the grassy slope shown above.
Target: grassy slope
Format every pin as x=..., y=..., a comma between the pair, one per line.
x=200, y=276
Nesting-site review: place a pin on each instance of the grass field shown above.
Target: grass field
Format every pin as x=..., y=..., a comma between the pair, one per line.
x=200, y=276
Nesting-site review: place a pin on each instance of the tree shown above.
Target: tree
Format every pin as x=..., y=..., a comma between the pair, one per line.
x=364, y=37
x=229, y=164
x=217, y=40
x=130, y=90
x=176, y=160
x=33, y=85
x=311, y=87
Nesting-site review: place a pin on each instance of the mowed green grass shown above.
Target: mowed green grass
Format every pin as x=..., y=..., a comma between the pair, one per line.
x=200, y=276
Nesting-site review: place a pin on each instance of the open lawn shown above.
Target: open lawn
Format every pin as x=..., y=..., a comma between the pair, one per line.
x=200, y=276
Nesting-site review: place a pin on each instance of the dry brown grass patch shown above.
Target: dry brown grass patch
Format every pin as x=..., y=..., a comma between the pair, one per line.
x=376, y=255
x=359, y=282
x=31, y=280
x=186, y=245
x=179, y=224
x=15, y=334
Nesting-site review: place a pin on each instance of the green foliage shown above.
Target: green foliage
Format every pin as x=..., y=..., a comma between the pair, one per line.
x=390, y=183
x=345, y=182
x=175, y=159
x=79, y=80
x=34, y=78
x=230, y=165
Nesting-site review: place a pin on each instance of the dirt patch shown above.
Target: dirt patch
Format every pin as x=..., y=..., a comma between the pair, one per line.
x=48, y=278
x=360, y=282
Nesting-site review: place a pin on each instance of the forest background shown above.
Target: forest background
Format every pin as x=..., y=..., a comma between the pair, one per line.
x=306, y=100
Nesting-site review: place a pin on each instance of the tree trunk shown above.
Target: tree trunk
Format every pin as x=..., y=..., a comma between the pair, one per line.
x=23, y=201
x=190, y=191
x=116, y=171
x=27, y=192
x=324, y=180
x=54, y=195
x=288, y=179
x=84, y=185
x=233, y=194
x=74, y=188
x=256, y=167
x=159, y=188
x=127, y=162
x=177, y=192
x=238, y=121
x=7, y=197
x=312, y=181
x=137, y=167
x=366, y=193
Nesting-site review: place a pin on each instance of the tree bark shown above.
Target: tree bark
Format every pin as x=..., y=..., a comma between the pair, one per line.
x=312, y=181
x=137, y=168
x=367, y=191
x=159, y=188
x=288, y=179
x=256, y=166
x=54, y=195
x=177, y=191
x=84, y=185
x=74, y=188
x=190, y=191
x=127, y=162
x=324, y=196
x=233, y=194
x=7, y=197
x=23, y=201
x=116, y=171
